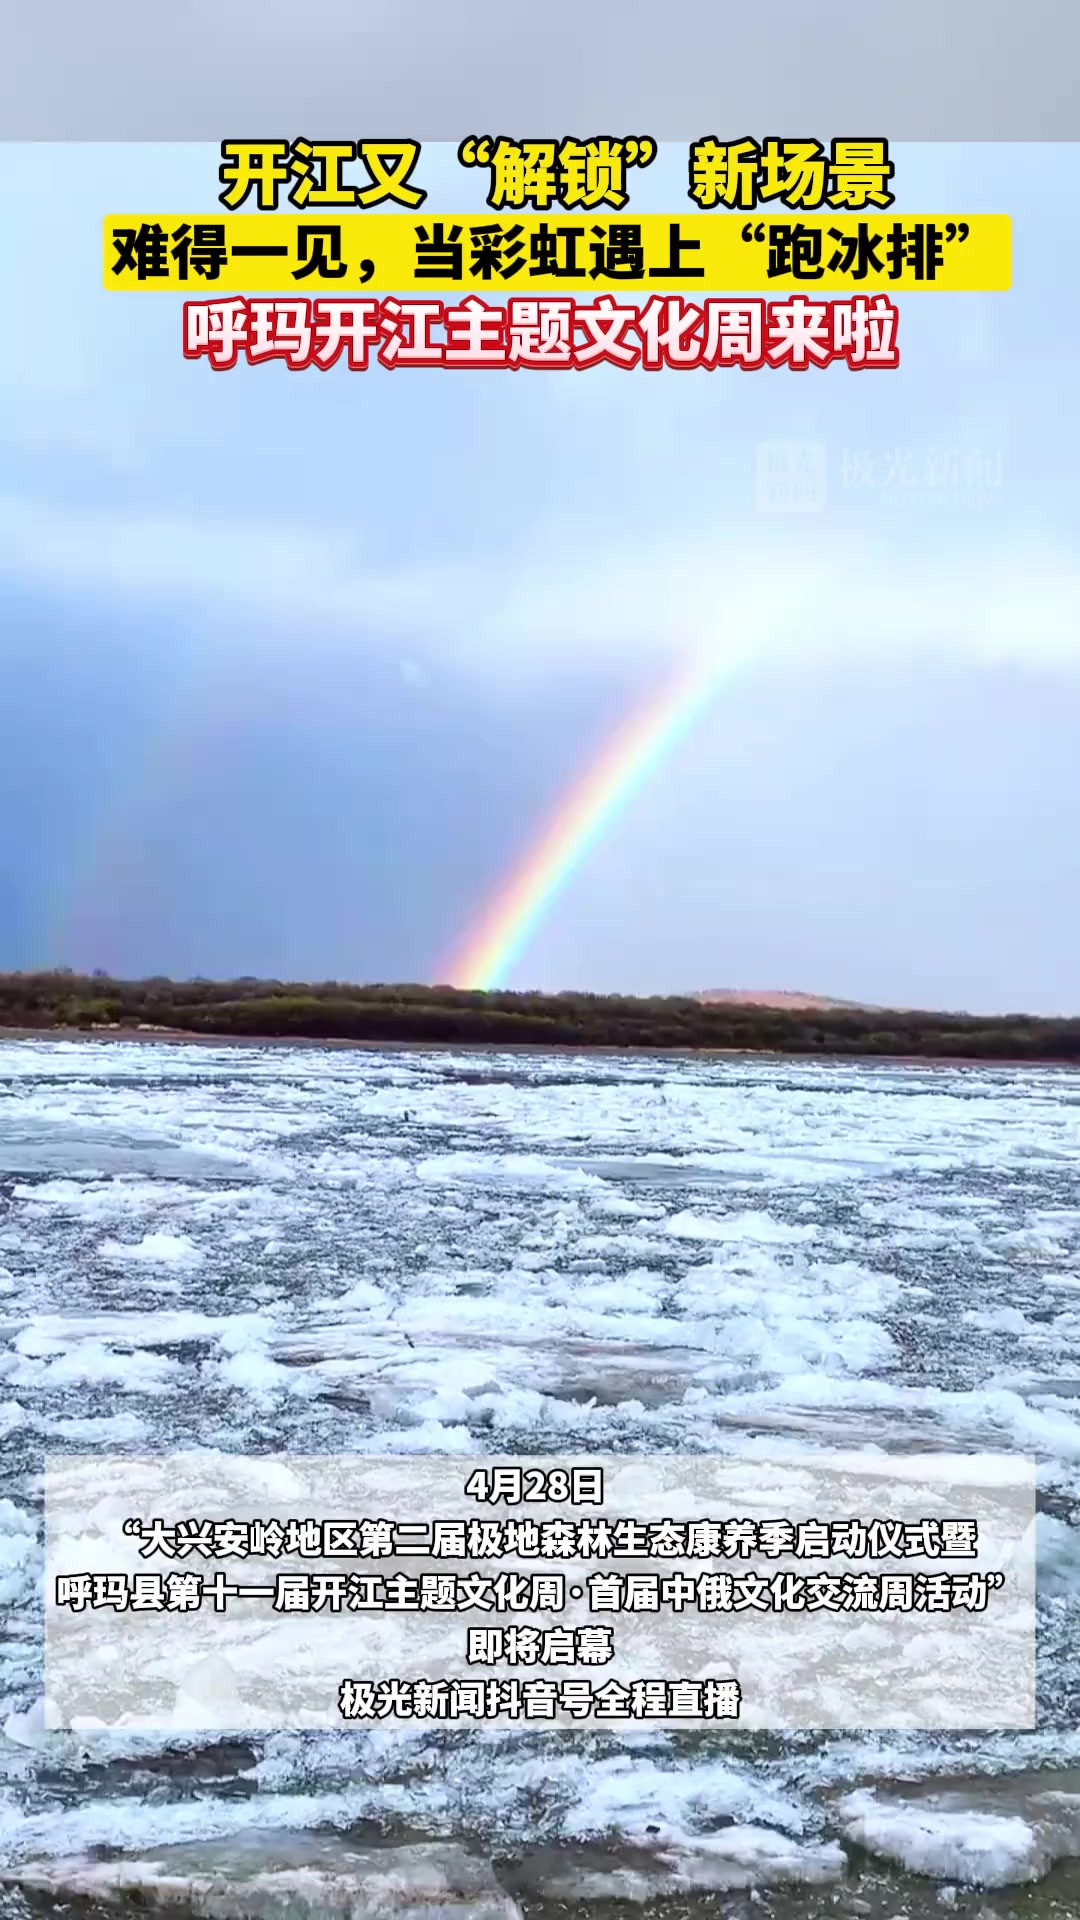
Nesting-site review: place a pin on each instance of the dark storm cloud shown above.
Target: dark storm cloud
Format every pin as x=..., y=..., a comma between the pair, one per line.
x=164, y=809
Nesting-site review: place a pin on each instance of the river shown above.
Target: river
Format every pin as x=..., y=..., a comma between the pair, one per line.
x=277, y=1249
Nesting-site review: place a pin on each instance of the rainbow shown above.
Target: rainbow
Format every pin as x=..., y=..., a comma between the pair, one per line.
x=644, y=739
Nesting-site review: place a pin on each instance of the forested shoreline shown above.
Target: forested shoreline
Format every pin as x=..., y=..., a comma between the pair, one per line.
x=250, y=1008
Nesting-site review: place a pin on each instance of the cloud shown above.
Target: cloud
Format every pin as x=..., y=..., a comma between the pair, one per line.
x=561, y=602
x=991, y=77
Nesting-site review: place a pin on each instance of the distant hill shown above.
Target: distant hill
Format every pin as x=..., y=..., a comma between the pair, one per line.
x=786, y=1001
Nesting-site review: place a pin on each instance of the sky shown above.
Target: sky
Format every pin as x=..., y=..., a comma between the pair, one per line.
x=295, y=667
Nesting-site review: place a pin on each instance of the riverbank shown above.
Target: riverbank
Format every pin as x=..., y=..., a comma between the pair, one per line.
x=417, y=1015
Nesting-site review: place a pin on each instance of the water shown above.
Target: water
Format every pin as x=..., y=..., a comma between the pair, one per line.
x=278, y=1249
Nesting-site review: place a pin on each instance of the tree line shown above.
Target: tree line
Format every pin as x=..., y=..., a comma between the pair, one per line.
x=338, y=1010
